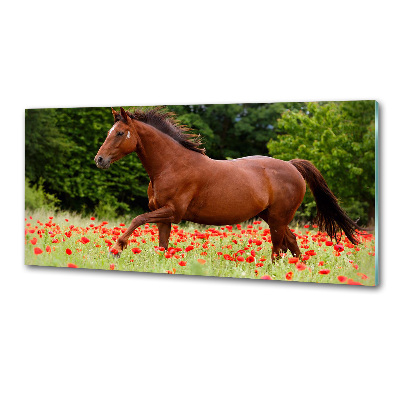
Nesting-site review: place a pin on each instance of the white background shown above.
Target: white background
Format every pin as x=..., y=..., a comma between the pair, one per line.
x=75, y=334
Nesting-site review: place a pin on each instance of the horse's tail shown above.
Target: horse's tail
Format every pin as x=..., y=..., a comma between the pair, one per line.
x=330, y=216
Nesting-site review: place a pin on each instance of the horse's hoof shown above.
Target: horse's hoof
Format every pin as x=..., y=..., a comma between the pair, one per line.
x=114, y=253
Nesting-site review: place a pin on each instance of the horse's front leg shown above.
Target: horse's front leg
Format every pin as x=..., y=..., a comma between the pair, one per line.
x=164, y=231
x=164, y=215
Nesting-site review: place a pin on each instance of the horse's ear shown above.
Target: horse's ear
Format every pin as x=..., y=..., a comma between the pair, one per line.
x=125, y=116
x=115, y=114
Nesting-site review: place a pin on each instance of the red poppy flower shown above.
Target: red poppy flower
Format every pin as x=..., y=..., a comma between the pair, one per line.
x=84, y=240
x=68, y=251
x=289, y=276
x=338, y=247
x=48, y=249
x=260, y=264
x=250, y=259
x=182, y=263
x=329, y=243
x=201, y=261
x=321, y=263
x=351, y=282
x=136, y=250
x=92, y=218
x=72, y=265
x=33, y=241
x=342, y=278
x=293, y=260
x=37, y=250
x=240, y=258
x=324, y=271
x=189, y=248
x=267, y=277
x=301, y=266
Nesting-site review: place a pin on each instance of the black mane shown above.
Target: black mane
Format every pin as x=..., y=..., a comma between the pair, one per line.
x=165, y=121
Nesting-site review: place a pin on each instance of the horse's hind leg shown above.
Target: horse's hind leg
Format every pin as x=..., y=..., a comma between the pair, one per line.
x=278, y=231
x=291, y=242
x=281, y=236
x=277, y=235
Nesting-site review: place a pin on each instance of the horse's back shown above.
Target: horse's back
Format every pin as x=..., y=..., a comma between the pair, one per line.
x=273, y=170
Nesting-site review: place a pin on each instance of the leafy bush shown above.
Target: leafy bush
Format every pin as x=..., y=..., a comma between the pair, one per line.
x=36, y=197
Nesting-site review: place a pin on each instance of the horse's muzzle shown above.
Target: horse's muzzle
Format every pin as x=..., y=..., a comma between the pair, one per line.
x=101, y=162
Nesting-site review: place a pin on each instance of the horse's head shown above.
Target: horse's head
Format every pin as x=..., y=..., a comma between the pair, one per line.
x=120, y=141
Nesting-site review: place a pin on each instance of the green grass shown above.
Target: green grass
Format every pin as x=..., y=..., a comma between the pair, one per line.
x=94, y=254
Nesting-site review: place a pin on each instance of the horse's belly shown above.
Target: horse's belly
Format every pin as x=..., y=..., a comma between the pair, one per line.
x=225, y=209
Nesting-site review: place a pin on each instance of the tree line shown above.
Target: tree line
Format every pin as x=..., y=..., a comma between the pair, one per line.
x=338, y=137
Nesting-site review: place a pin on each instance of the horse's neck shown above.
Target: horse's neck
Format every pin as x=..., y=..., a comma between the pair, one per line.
x=156, y=150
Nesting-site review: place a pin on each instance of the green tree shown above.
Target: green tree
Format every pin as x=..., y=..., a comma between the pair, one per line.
x=44, y=143
x=339, y=139
x=234, y=130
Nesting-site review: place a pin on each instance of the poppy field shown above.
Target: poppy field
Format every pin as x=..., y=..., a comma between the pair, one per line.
x=239, y=251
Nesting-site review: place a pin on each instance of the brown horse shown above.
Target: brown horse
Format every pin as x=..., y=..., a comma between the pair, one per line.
x=185, y=184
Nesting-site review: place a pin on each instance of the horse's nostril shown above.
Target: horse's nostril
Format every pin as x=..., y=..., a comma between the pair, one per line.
x=99, y=159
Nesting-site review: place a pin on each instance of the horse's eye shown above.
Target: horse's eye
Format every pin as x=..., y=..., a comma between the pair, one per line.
x=120, y=133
